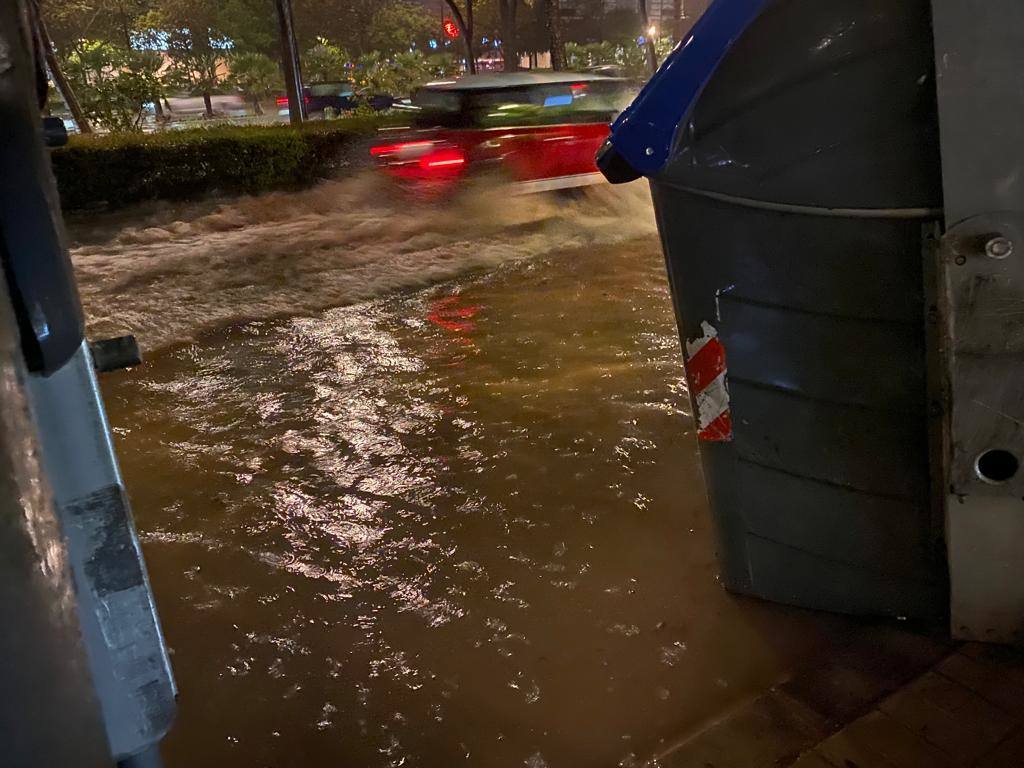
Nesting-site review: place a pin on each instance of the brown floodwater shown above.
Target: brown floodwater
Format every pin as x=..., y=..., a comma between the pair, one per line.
x=457, y=525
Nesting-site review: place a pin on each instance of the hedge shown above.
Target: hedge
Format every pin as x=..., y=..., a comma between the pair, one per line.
x=118, y=169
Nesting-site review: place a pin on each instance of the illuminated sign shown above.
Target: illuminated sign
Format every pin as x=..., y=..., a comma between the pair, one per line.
x=451, y=29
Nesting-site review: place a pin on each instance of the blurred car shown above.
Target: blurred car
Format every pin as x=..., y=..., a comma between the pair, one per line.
x=539, y=131
x=230, y=104
x=339, y=96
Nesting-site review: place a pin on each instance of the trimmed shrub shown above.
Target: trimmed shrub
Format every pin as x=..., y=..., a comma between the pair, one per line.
x=119, y=169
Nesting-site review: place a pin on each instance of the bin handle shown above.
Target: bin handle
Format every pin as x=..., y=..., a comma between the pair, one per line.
x=642, y=136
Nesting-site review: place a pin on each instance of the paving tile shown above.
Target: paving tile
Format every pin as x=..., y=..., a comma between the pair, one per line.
x=878, y=740
x=896, y=743
x=771, y=731
x=949, y=716
x=851, y=748
x=859, y=675
x=1001, y=684
x=1009, y=753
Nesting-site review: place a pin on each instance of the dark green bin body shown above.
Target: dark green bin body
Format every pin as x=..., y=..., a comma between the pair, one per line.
x=792, y=213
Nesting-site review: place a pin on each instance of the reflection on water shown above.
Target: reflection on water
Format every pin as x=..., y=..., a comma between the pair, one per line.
x=464, y=526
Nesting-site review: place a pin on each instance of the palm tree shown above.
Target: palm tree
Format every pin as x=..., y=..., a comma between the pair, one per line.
x=256, y=76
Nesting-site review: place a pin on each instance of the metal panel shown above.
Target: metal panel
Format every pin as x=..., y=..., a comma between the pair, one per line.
x=126, y=650
x=981, y=109
x=49, y=715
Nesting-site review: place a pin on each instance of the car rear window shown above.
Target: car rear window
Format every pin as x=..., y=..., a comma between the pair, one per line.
x=541, y=104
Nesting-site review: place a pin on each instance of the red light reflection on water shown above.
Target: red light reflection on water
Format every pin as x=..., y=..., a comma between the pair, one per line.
x=445, y=313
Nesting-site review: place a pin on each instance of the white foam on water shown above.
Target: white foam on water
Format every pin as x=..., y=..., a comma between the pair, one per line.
x=169, y=272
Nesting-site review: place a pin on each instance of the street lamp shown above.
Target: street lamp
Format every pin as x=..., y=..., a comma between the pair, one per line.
x=652, y=31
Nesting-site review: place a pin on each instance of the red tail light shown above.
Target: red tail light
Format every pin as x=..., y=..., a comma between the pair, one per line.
x=282, y=101
x=443, y=159
x=404, y=147
x=421, y=159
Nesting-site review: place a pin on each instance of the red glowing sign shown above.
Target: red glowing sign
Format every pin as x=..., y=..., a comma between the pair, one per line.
x=451, y=29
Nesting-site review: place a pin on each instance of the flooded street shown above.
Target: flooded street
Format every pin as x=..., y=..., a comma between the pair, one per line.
x=458, y=524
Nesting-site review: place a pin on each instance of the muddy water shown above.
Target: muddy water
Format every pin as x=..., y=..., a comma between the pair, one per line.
x=168, y=273
x=462, y=525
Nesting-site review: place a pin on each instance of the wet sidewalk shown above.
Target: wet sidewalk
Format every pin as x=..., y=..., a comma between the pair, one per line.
x=889, y=699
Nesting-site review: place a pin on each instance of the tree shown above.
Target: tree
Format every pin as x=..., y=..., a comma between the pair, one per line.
x=197, y=37
x=593, y=54
x=553, y=23
x=346, y=23
x=115, y=85
x=61, y=81
x=325, y=63
x=111, y=21
x=509, y=49
x=401, y=74
x=256, y=76
x=465, y=25
x=399, y=25
x=196, y=58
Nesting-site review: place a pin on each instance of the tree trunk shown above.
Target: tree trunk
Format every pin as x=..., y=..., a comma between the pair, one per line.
x=291, y=63
x=59, y=78
x=208, y=103
x=677, y=20
x=554, y=26
x=509, y=49
x=465, y=25
x=256, y=106
x=650, y=55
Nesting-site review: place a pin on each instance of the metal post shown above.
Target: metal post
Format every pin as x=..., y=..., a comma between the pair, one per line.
x=981, y=275
x=290, y=61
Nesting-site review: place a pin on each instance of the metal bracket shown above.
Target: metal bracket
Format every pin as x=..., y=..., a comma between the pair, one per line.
x=981, y=108
x=984, y=297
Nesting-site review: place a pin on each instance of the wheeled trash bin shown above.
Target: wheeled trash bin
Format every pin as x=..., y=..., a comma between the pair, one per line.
x=793, y=156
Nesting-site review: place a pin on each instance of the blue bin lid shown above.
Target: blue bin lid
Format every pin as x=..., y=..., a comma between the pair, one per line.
x=644, y=133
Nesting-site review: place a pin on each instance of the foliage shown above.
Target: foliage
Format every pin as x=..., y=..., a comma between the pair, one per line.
x=111, y=21
x=629, y=56
x=325, y=63
x=397, y=26
x=197, y=38
x=119, y=169
x=442, y=65
x=256, y=76
x=196, y=59
x=114, y=85
x=401, y=74
x=346, y=23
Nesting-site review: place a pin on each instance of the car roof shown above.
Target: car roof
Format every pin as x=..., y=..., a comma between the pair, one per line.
x=490, y=81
